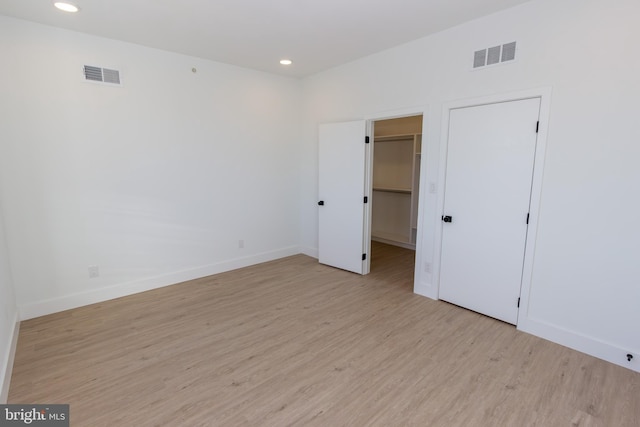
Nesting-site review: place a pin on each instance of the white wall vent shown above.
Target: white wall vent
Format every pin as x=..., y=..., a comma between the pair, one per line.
x=494, y=55
x=101, y=75
x=479, y=58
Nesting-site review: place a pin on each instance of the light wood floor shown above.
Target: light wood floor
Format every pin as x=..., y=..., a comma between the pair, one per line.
x=292, y=342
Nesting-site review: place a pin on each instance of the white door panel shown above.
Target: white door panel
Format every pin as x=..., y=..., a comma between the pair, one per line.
x=342, y=190
x=490, y=159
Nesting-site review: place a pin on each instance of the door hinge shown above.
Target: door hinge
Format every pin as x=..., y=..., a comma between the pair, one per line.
x=364, y=256
x=527, y=218
x=366, y=199
x=366, y=139
x=537, y=126
x=518, y=302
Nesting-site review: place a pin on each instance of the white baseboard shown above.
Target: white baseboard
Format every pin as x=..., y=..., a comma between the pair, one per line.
x=394, y=242
x=7, y=365
x=585, y=344
x=312, y=252
x=390, y=240
x=54, y=305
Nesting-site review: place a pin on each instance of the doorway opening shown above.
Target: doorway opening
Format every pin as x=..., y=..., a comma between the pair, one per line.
x=397, y=151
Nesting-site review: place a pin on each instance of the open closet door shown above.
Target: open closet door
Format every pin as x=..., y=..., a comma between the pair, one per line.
x=341, y=207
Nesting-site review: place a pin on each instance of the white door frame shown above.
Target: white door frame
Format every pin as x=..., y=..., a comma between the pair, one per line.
x=536, y=187
x=395, y=114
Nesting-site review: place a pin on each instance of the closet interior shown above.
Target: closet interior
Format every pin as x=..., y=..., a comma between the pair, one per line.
x=396, y=176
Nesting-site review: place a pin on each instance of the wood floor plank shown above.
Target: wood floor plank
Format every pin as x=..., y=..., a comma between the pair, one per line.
x=293, y=342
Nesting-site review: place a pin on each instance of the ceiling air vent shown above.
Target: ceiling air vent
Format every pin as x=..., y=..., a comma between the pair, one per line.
x=494, y=55
x=101, y=75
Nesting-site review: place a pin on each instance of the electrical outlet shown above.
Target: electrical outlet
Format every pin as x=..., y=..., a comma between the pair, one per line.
x=432, y=187
x=94, y=271
x=241, y=244
x=427, y=267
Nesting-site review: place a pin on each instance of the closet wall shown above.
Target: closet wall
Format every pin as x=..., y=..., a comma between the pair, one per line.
x=396, y=172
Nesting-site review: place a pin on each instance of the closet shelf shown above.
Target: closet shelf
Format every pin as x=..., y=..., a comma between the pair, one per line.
x=393, y=190
x=404, y=137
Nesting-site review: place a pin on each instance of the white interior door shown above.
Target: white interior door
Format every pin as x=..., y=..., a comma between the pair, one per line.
x=490, y=159
x=341, y=195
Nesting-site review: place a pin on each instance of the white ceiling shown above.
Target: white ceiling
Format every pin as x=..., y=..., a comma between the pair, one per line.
x=315, y=34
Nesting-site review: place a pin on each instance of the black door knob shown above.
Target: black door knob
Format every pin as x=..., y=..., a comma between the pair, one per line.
x=447, y=218
x=321, y=203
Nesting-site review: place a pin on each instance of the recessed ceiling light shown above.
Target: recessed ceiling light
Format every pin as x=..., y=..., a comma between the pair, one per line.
x=67, y=7
x=286, y=62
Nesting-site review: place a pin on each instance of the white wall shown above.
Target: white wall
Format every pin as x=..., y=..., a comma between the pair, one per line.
x=155, y=182
x=8, y=317
x=584, y=290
